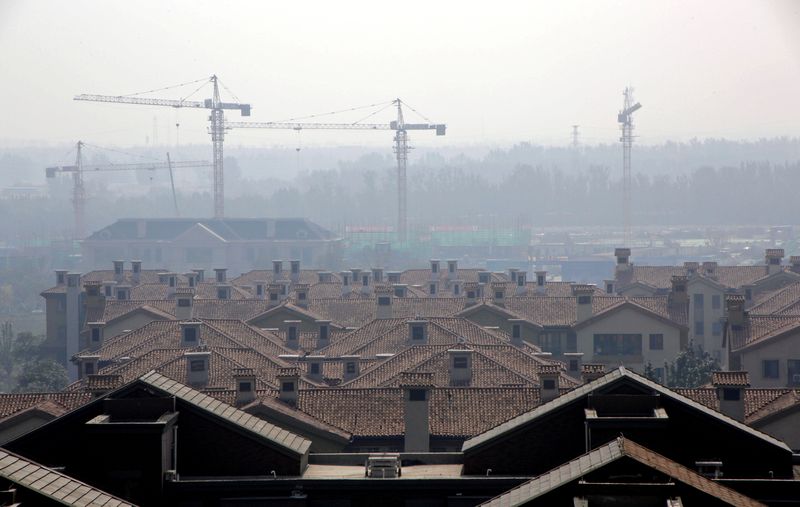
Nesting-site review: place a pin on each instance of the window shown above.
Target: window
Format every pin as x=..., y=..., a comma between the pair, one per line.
x=292, y=333
x=456, y=290
x=470, y=294
x=572, y=342
x=259, y=290
x=273, y=296
x=222, y=294
x=748, y=294
x=793, y=370
x=731, y=394
x=716, y=328
x=434, y=267
x=697, y=299
x=350, y=368
x=483, y=277
x=314, y=368
x=770, y=368
x=184, y=303
x=190, y=334
x=95, y=334
x=433, y=288
x=245, y=387
x=417, y=333
x=716, y=302
x=301, y=296
x=618, y=344
x=584, y=300
x=323, y=332
x=416, y=395
x=384, y=301
x=460, y=362
x=573, y=365
x=551, y=342
x=398, y=292
x=498, y=295
x=657, y=342
x=89, y=368
x=287, y=386
x=699, y=328
x=197, y=365
x=548, y=384
x=516, y=331
x=108, y=291
x=122, y=295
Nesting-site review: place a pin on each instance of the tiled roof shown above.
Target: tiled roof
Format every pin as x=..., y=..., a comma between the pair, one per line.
x=661, y=276
x=609, y=453
x=760, y=328
x=423, y=276
x=780, y=301
x=53, y=485
x=454, y=412
x=357, y=312
x=730, y=378
x=758, y=402
x=309, y=276
x=57, y=403
x=277, y=436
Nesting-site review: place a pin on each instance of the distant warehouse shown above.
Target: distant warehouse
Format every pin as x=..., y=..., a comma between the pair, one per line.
x=240, y=244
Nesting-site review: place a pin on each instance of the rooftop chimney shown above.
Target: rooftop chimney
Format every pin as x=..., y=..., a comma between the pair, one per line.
x=94, y=296
x=710, y=269
x=452, y=269
x=261, y=289
x=499, y=293
x=277, y=269
x=61, y=277
x=294, y=267
x=136, y=271
x=197, y=368
x=245, y=379
x=324, y=277
x=292, y=333
x=323, y=333
x=433, y=288
x=346, y=289
x=541, y=282
x=201, y=274
x=366, y=286
x=316, y=365
x=355, y=276
x=384, y=302
x=460, y=367
x=574, y=362
x=583, y=294
x=549, y=379
x=274, y=294
x=221, y=275
x=416, y=416
x=517, y=339
x=190, y=334
x=73, y=321
x=730, y=386
x=678, y=295
x=301, y=292
x=184, y=303
x=591, y=372
x=350, y=367
x=611, y=286
x=735, y=308
x=119, y=270
x=774, y=257
x=435, y=265
x=288, y=380
x=471, y=292
x=522, y=280
x=691, y=268
x=418, y=332
x=623, y=256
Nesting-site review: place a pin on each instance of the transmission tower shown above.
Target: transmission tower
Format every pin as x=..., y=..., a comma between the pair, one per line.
x=625, y=119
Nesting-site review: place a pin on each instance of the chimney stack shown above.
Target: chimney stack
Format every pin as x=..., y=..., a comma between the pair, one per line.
x=301, y=292
x=730, y=386
x=592, y=371
x=435, y=265
x=119, y=271
x=292, y=333
x=583, y=295
x=541, y=282
x=277, y=269
x=184, y=303
x=774, y=257
x=245, y=379
x=274, y=293
x=197, y=368
x=351, y=367
x=522, y=280
x=499, y=293
x=452, y=269
x=460, y=367
x=190, y=334
x=323, y=333
x=549, y=375
x=288, y=380
x=384, y=304
x=691, y=268
x=678, y=295
x=346, y=289
x=94, y=296
x=294, y=269
x=623, y=256
x=316, y=365
x=73, y=321
x=710, y=269
x=261, y=289
x=574, y=363
x=61, y=277
x=416, y=413
x=136, y=271
x=735, y=310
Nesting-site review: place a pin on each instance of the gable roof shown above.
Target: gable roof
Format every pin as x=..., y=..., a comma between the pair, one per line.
x=277, y=437
x=607, y=379
x=54, y=485
x=609, y=453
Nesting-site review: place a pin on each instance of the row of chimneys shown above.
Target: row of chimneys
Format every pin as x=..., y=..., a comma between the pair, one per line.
x=773, y=259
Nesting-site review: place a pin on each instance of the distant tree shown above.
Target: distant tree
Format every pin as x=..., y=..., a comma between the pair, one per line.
x=650, y=372
x=42, y=376
x=692, y=368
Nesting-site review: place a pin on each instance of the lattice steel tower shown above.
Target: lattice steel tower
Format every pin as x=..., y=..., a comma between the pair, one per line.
x=625, y=120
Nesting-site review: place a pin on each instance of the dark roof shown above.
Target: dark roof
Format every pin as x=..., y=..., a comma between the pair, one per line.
x=229, y=229
x=53, y=485
x=609, y=453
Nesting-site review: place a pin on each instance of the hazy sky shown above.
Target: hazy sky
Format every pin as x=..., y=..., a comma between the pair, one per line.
x=495, y=72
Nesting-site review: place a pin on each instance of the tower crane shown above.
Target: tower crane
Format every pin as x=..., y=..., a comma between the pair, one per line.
x=79, y=191
x=401, y=148
x=216, y=128
x=625, y=120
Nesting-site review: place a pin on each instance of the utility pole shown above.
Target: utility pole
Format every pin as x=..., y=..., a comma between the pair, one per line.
x=625, y=119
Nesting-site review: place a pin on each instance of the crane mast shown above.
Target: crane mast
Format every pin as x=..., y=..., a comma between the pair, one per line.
x=79, y=195
x=216, y=127
x=625, y=120
x=400, y=148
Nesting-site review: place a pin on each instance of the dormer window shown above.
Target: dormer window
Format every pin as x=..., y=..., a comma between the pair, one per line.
x=184, y=303
x=398, y=292
x=731, y=394
x=287, y=386
x=95, y=334
x=350, y=368
x=384, y=300
x=314, y=368
x=197, y=365
x=273, y=296
x=434, y=268
x=291, y=333
x=470, y=294
x=417, y=333
x=460, y=362
x=365, y=280
x=549, y=384
x=122, y=295
x=109, y=292
x=498, y=295
x=88, y=368
x=483, y=277
x=222, y=294
x=456, y=290
x=323, y=332
x=584, y=300
x=191, y=281
x=301, y=296
x=516, y=331
x=540, y=280
x=433, y=289
x=416, y=395
x=190, y=334
x=245, y=387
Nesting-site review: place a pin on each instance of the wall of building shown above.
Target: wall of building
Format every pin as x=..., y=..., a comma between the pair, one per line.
x=781, y=349
x=784, y=428
x=708, y=315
